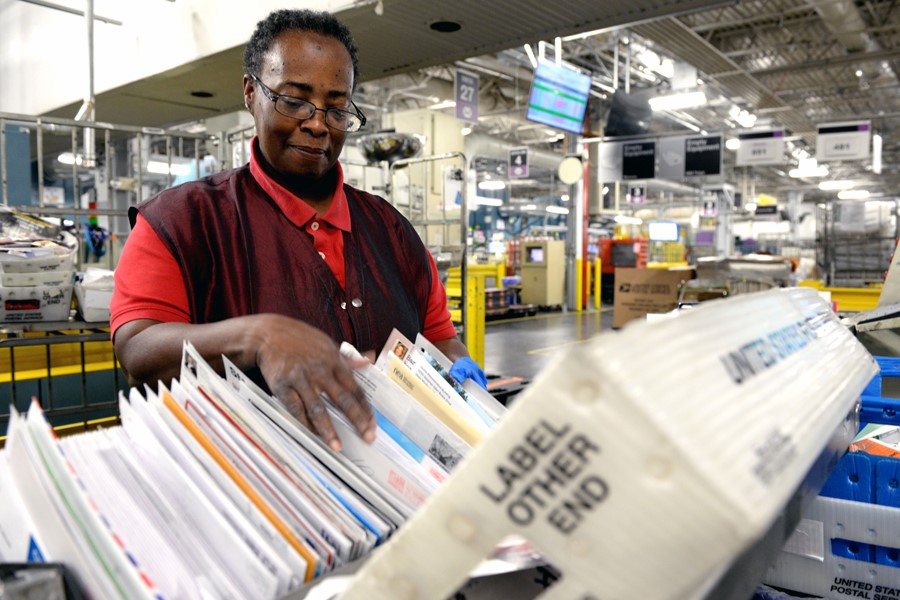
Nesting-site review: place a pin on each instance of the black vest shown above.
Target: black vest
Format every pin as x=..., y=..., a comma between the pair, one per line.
x=239, y=255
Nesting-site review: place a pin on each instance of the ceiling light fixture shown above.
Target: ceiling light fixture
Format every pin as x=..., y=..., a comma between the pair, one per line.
x=809, y=167
x=837, y=185
x=732, y=143
x=491, y=184
x=678, y=101
x=624, y=220
x=444, y=104
x=488, y=201
x=67, y=158
x=557, y=210
x=853, y=194
x=161, y=168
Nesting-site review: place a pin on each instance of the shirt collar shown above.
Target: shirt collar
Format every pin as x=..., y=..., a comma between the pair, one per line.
x=298, y=212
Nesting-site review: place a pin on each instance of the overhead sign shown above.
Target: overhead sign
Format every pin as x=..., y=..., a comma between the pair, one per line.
x=466, y=93
x=671, y=158
x=760, y=148
x=518, y=163
x=703, y=156
x=637, y=194
x=848, y=140
x=639, y=160
x=609, y=161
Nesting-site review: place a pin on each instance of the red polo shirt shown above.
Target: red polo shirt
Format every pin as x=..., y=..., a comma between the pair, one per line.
x=149, y=283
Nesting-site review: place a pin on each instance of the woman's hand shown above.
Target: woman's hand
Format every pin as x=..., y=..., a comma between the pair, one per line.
x=299, y=363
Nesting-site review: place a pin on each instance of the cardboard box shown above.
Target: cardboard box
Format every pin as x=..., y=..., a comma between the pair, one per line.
x=642, y=291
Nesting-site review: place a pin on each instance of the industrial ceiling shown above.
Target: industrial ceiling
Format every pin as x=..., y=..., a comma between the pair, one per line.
x=791, y=64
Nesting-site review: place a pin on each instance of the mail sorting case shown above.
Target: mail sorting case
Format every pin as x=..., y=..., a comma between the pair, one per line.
x=848, y=543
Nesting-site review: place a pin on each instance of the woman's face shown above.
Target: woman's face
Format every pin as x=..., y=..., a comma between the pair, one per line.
x=316, y=68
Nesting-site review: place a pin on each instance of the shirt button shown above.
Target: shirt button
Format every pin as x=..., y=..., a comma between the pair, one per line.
x=344, y=305
x=314, y=226
x=322, y=254
x=356, y=302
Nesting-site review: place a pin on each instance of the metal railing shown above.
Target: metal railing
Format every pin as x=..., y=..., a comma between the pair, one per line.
x=81, y=176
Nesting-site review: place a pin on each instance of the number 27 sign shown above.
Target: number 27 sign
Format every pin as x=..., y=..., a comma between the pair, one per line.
x=466, y=96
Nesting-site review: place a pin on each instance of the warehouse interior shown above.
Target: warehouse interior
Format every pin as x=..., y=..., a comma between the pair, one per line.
x=105, y=103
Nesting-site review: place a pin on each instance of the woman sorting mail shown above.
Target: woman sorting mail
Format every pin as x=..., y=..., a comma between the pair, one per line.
x=273, y=264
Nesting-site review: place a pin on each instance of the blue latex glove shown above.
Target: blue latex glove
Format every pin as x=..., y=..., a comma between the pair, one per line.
x=466, y=368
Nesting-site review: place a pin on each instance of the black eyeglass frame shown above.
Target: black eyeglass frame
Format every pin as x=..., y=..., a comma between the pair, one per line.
x=274, y=97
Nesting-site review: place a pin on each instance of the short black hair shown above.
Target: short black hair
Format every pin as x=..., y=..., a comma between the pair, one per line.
x=281, y=21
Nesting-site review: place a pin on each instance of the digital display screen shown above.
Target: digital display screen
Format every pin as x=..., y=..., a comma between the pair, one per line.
x=559, y=97
x=662, y=231
x=536, y=254
x=623, y=255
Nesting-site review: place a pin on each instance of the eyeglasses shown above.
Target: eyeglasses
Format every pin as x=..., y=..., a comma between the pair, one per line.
x=300, y=109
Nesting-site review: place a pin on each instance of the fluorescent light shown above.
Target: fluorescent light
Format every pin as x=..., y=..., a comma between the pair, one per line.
x=678, y=101
x=623, y=220
x=836, y=185
x=529, y=207
x=853, y=194
x=444, y=104
x=488, y=201
x=564, y=197
x=809, y=167
x=750, y=207
x=732, y=143
x=491, y=184
x=67, y=158
x=161, y=168
x=559, y=210
x=742, y=117
x=466, y=130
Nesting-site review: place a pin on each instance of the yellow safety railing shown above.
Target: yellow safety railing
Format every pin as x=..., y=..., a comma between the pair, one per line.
x=475, y=314
x=579, y=283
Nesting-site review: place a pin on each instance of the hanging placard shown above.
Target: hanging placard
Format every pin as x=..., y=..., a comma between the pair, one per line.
x=760, y=148
x=466, y=92
x=703, y=156
x=639, y=160
x=518, y=163
x=848, y=140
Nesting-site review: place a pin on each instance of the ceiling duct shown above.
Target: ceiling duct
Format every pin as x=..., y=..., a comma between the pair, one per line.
x=482, y=146
x=843, y=19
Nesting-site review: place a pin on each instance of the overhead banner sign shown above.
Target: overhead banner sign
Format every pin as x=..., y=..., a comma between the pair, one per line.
x=848, y=140
x=760, y=148
x=518, y=163
x=703, y=156
x=639, y=160
x=466, y=93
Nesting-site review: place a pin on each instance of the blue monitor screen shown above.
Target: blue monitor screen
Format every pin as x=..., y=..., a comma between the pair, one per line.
x=559, y=97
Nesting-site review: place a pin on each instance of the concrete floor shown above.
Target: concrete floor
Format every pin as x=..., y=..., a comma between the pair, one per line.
x=516, y=350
